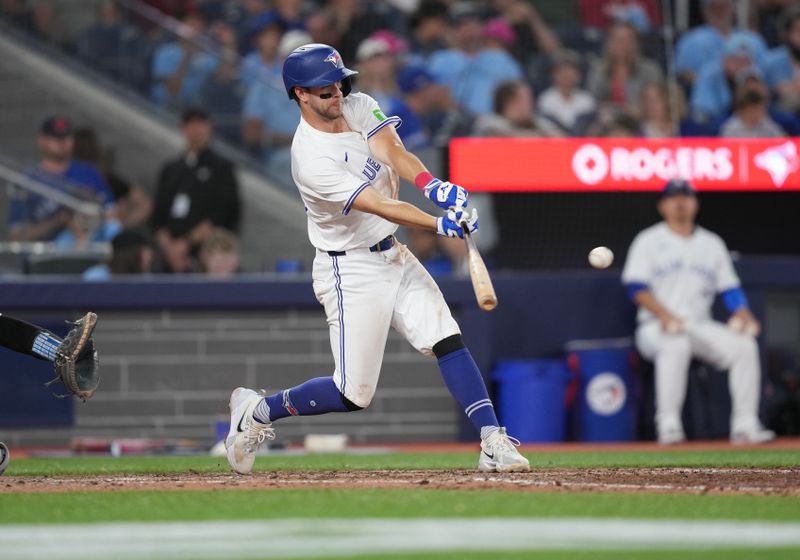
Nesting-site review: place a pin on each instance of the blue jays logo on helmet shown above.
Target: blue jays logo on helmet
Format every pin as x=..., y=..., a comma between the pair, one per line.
x=334, y=58
x=308, y=67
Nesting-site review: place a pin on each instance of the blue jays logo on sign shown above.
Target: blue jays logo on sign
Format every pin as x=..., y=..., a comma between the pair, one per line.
x=334, y=58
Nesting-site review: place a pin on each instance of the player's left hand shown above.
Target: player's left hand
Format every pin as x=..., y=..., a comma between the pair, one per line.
x=449, y=225
x=445, y=194
x=745, y=322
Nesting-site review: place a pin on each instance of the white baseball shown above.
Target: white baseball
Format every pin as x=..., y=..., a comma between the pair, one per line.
x=601, y=257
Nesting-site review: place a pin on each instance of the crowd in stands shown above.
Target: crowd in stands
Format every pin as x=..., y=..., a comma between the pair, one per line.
x=190, y=226
x=453, y=68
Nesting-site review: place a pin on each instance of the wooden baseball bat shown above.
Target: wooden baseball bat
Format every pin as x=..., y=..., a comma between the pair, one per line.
x=481, y=282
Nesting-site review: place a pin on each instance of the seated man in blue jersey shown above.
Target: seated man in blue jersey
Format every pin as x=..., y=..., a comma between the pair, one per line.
x=34, y=217
x=706, y=43
x=475, y=65
x=712, y=96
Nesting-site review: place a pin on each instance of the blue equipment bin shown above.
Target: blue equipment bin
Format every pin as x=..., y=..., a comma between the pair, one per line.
x=531, y=396
x=605, y=408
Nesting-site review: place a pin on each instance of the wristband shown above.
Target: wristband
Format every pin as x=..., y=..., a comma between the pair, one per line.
x=423, y=179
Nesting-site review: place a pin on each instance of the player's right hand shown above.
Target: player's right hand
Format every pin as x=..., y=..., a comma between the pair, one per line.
x=445, y=194
x=449, y=225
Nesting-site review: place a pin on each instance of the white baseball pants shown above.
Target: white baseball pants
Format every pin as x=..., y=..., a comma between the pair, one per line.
x=365, y=293
x=711, y=342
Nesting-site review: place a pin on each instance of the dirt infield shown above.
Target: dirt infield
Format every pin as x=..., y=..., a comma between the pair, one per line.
x=761, y=482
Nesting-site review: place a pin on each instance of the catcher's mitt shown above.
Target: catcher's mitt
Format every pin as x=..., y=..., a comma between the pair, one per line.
x=77, y=364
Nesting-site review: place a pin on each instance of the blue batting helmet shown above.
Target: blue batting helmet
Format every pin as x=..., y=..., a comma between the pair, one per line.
x=315, y=65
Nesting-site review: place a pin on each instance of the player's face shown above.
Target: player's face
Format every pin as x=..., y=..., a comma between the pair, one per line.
x=326, y=101
x=57, y=149
x=681, y=208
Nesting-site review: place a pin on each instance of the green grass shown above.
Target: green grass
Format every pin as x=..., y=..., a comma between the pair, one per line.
x=765, y=458
x=750, y=554
x=87, y=507
x=224, y=503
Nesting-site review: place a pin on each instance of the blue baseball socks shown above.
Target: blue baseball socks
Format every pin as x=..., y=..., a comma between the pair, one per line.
x=315, y=396
x=320, y=395
x=465, y=382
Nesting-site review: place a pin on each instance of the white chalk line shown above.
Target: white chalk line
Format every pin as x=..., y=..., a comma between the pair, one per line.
x=331, y=538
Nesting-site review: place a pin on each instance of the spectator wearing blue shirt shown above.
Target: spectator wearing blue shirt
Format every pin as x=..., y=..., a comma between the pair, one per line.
x=180, y=68
x=263, y=61
x=706, y=43
x=782, y=65
x=418, y=98
x=473, y=69
x=712, y=96
x=270, y=118
x=34, y=217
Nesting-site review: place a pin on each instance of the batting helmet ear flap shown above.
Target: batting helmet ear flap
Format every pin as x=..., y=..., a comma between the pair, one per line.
x=347, y=86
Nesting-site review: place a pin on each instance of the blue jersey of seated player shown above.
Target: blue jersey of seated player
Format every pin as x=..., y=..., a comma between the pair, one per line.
x=81, y=180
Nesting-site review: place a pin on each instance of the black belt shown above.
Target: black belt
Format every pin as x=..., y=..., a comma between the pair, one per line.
x=383, y=245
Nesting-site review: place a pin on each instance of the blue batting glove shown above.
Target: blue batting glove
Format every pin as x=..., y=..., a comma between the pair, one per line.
x=449, y=225
x=445, y=194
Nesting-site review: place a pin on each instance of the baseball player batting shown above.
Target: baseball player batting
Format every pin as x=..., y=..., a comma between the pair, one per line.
x=673, y=271
x=346, y=162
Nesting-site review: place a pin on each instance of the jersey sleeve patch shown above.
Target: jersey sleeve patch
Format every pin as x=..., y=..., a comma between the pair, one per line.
x=387, y=120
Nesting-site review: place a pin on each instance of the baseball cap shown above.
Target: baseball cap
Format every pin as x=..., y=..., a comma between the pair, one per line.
x=677, y=186
x=57, y=127
x=413, y=78
x=371, y=47
x=739, y=44
x=397, y=45
x=292, y=40
x=499, y=29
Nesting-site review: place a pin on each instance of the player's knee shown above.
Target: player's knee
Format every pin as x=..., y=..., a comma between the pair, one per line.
x=448, y=346
x=676, y=344
x=359, y=399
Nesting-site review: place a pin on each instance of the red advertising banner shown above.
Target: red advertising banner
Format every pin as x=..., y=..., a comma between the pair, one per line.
x=624, y=164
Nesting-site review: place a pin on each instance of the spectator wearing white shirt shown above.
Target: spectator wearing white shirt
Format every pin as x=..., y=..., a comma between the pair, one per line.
x=564, y=102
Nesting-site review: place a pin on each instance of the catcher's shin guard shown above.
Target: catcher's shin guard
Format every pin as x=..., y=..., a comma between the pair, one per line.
x=5, y=457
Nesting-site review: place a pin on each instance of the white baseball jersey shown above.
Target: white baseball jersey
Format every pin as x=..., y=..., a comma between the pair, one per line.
x=683, y=273
x=331, y=169
x=364, y=293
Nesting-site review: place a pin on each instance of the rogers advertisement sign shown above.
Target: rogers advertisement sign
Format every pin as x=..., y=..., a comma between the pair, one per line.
x=624, y=164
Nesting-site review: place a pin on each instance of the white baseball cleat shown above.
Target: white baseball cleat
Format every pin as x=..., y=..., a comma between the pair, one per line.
x=245, y=434
x=499, y=454
x=757, y=435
